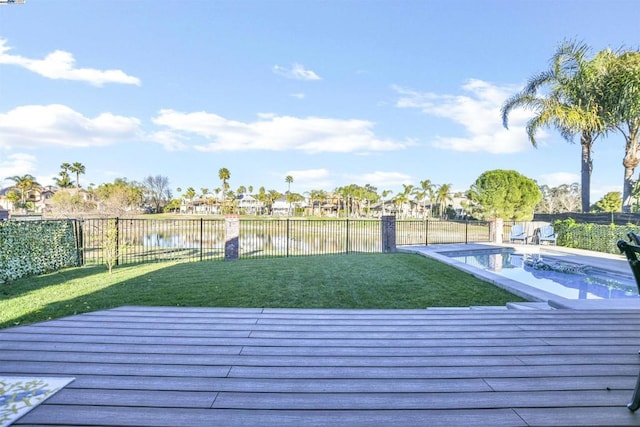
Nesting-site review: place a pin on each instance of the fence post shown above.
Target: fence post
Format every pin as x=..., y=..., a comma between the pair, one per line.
x=347, y=242
x=80, y=240
x=117, y=226
x=426, y=233
x=466, y=231
x=496, y=226
x=201, y=237
x=388, y=231
x=287, y=239
x=232, y=237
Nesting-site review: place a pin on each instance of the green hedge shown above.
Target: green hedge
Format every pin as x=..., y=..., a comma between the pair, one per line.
x=594, y=237
x=35, y=247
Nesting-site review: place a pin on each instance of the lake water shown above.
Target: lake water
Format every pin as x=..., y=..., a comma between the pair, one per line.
x=584, y=283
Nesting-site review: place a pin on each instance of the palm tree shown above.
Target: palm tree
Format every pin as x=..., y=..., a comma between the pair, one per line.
x=24, y=184
x=77, y=168
x=425, y=193
x=190, y=193
x=443, y=195
x=316, y=195
x=64, y=181
x=401, y=199
x=224, y=176
x=570, y=103
x=620, y=87
x=289, y=179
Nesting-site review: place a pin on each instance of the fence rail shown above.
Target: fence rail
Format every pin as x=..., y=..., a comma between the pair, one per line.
x=146, y=240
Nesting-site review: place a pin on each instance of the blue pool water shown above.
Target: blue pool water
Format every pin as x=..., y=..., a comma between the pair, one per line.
x=582, y=283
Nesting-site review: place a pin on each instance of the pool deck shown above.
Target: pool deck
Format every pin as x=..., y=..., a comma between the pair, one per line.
x=610, y=262
x=176, y=366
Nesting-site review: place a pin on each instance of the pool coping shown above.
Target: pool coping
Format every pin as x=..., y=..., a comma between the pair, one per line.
x=607, y=262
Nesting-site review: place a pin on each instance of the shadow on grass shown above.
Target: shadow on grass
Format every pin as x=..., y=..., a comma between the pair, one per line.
x=25, y=285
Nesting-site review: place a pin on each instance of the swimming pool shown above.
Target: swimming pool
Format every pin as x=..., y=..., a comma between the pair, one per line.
x=567, y=280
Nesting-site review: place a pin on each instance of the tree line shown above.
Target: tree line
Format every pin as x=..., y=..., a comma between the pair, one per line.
x=497, y=193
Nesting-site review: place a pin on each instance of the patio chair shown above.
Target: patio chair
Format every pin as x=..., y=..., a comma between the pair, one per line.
x=547, y=234
x=631, y=251
x=518, y=233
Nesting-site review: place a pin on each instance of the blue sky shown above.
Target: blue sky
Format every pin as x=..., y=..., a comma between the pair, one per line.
x=330, y=92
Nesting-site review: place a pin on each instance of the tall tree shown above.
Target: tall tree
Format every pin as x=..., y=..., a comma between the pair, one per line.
x=504, y=194
x=565, y=97
x=79, y=169
x=443, y=195
x=157, y=191
x=190, y=194
x=289, y=179
x=64, y=180
x=610, y=202
x=24, y=184
x=620, y=87
x=317, y=197
x=120, y=197
x=224, y=176
x=426, y=192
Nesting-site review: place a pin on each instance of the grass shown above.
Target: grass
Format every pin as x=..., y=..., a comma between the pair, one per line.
x=393, y=281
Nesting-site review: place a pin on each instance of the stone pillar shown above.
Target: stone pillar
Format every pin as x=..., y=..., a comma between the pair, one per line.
x=388, y=231
x=232, y=237
x=496, y=226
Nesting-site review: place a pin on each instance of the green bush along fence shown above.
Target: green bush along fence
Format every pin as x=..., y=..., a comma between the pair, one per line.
x=594, y=237
x=35, y=247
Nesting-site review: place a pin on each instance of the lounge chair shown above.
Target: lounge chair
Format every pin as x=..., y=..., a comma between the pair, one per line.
x=518, y=233
x=547, y=234
x=631, y=251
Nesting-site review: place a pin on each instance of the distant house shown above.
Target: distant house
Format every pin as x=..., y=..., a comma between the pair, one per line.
x=37, y=196
x=283, y=207
x=249, y=204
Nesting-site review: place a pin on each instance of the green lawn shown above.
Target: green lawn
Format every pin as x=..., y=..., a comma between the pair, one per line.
x=330, y=281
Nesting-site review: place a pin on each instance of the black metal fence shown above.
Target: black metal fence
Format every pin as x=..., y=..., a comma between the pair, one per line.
x=418, y=232
x=146, y=240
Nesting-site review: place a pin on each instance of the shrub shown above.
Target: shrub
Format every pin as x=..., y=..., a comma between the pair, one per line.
x=35, y=247
x=594, y=237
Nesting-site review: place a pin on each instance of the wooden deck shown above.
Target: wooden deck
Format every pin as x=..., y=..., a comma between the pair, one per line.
x=152, y=366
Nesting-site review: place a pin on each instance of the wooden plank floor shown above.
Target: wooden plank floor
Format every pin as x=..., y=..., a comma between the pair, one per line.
x=163, y=366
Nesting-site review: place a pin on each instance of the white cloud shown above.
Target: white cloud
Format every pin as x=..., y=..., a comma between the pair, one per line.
x=297, y=95
x=61, y=65
x=296, y=72
x=17, y=164
x=58, y=125
x=277, y=133
x=558, y=178
x=478, y=112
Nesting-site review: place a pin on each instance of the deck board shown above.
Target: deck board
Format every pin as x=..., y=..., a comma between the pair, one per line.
x=162, y=366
